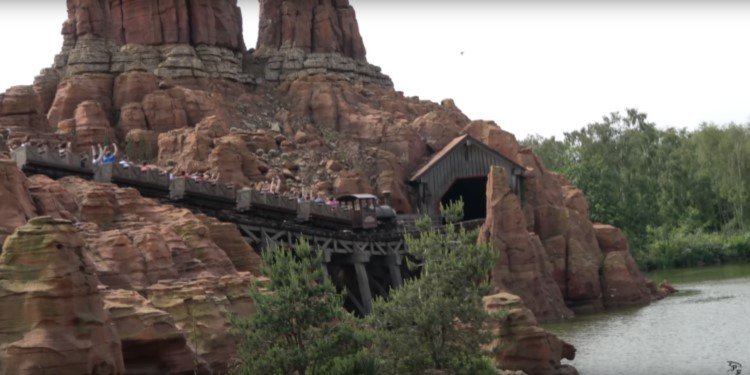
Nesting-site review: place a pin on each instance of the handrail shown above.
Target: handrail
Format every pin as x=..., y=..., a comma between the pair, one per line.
x=176, y=188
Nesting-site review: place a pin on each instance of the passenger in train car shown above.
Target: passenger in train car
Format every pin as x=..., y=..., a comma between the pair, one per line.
x=41, y=147
x=320, y=201
x=125, y=163
x=84, y=160
x=64, y=149
x=276, y=185
x=106, y=156
x=332, y=202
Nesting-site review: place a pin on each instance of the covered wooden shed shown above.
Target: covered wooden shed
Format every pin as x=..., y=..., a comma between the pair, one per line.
x=460, y=170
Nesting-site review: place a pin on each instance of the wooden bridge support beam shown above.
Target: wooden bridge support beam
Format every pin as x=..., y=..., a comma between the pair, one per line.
x=103, y=173
x=359, y=261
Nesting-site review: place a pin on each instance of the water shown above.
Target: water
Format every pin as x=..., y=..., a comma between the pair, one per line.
x=695, y=331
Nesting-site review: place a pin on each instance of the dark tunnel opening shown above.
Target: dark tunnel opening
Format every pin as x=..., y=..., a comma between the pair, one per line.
x=474, y=193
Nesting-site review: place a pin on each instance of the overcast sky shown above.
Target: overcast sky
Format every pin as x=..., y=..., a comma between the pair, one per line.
x=534, y=66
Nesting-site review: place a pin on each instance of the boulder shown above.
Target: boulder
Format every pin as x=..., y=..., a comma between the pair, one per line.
x=91, y=126
x=519, y=343
x=77, y=89
x=610, y=238
x=622, y=283
x=164, y=113
x=132, y=117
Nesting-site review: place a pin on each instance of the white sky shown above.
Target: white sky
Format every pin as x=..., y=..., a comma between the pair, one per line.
x=533, y=66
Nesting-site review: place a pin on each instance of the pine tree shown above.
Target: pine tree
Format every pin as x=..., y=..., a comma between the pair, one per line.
x=437, y=321
x=299, y=325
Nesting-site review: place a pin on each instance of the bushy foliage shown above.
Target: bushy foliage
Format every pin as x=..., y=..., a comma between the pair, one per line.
x=677, y=249
x=437, y=321
x=299, y=325
x=639, y=177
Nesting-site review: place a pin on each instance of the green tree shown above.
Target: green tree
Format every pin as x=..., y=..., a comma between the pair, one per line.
x=299, y=325
x=656, y=184
x=437, y=321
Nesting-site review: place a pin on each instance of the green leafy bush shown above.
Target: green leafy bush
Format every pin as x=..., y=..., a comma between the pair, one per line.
x=437, y=321
x=299, y=325
x=678, y=249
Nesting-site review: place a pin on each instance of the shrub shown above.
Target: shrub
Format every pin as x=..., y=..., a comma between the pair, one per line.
x=299, y=325
x=678, y=249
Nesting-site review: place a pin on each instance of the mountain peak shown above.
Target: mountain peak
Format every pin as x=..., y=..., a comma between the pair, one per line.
x=325, y=26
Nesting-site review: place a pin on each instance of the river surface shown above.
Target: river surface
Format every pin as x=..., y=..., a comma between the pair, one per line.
x=697, y=331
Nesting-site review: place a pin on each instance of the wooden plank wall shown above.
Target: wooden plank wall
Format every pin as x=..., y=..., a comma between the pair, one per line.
x=463, y=162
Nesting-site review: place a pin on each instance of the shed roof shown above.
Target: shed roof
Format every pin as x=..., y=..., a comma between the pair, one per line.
x=450, y=147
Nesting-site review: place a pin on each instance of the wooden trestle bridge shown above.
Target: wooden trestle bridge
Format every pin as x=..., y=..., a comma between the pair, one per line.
x=365, y=263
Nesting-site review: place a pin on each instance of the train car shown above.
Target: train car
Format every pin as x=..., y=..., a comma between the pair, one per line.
x=367, y=213
x=363, y=208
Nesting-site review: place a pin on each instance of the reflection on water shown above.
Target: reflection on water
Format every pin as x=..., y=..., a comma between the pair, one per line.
x=693, y=332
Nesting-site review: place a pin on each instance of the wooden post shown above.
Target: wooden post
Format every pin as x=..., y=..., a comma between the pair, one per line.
x=364, y=288
x=103, y=173
x=177, y=188
x=20, y=155
x=244, y=200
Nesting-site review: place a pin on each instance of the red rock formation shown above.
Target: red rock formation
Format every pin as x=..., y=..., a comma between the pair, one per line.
x=327, y=26
x=52, y=318
x=583, y=290
x=20, y=111
x=201, y=308
x=522, y=266
x=16, y=206
x=151, y=341
x=209, y=22
x=51, y=199
x=622, y=281
x=130, y=244
x=227, y=236
x=76, y=90
x=520, y=344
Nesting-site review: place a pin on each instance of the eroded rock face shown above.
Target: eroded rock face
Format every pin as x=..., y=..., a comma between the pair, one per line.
x=201, y=308
x=326, y=26
x=151, y=342
x=132, y=286
x=622, y=282
x=16, y=206
x=213, y=23
x=520, y=343
x=52, y=318
x=522, y=266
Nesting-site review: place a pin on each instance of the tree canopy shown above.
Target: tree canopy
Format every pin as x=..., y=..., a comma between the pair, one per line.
x=648, y=180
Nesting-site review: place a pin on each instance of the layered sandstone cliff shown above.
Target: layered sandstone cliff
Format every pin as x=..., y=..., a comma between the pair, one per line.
x=95, y=279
